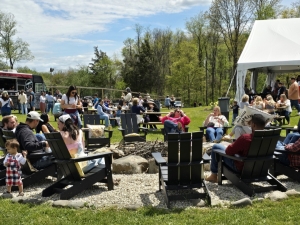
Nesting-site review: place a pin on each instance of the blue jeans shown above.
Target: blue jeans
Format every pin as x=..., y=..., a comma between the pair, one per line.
x=283, y=158
x=49, y=107
x=79, y=125
x=106, y=119
x=214, y=162
x=291, y=138
x=24, y=108
x=92, y=163
x=44, y=162
x=214, y=133
x=171, y=127
x=296, y=104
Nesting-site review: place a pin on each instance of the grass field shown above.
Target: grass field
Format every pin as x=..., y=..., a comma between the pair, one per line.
x=266, y=212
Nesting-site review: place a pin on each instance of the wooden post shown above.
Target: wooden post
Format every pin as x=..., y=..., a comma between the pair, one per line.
x=102, y=94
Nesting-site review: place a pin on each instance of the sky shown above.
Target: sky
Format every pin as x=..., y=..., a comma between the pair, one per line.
x=62, y=33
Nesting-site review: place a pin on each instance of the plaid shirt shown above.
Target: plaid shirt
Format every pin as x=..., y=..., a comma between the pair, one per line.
x=294, y=159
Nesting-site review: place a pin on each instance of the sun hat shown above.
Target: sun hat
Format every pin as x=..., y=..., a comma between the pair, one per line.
x=64, y=118
x=34, y=116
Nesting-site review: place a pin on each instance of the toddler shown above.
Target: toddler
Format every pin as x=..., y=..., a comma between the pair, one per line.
x=13, y=162
x=118, y=115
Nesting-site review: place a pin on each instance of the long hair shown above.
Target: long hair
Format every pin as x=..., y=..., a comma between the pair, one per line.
x=71, y=88
x=5, y=96
x=44, y=117
x=71, y=128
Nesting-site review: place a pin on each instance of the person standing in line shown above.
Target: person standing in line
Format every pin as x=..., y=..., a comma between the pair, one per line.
x=43, y=102
x=293, y=94
x=31, y=99
x=167, y=102
x=22, y=98
x=50, y=102
x=6, y=104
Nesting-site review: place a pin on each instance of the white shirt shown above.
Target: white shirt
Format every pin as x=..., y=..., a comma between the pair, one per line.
x=22, y=98
x=72, y=100
x=42, y=99
x=128, y=97
x=4, y=102
x=215, y=120
x=288, y=105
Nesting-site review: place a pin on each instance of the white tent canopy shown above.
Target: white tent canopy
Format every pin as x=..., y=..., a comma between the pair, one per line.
x=273, y=47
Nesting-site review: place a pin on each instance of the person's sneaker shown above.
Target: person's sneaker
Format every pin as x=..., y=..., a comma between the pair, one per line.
x=298, y=113
x=213, y=178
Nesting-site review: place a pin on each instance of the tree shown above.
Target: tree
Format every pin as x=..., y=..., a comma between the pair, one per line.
x=13, y=50
x=266, y=9
x=102, y=69
x=232, y=18
x=293, y=11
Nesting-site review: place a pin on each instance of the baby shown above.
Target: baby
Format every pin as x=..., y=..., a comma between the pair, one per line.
x=13, y=162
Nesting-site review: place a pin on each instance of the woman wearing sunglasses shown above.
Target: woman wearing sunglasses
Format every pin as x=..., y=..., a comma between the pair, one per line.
x=70, y=102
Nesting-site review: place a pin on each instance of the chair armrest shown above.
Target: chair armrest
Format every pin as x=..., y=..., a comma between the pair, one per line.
x=110, y=133
x=237, y=158
x=202, y=128
x=38, y=155
x=143, y=129
x=158, y=158
x=286, y=151
x=206, y=157
x=92, y=156
x=122, y=130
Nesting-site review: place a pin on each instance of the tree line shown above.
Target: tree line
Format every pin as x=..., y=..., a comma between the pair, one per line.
x=196, y=64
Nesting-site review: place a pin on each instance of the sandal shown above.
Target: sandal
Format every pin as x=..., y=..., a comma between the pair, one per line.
x=21, y=194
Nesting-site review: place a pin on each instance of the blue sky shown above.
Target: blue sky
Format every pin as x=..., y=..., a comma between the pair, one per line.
x=62, y=33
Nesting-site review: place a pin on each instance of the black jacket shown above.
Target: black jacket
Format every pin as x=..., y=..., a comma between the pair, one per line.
x=28, y=140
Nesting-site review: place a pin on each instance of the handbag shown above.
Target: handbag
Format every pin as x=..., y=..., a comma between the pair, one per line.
x=210, y=124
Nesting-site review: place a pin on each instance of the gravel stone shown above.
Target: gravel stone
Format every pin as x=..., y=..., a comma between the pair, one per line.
x=76, y=204
x=61, y=203
x=142, y=190
x=292, y=192
x=278, y=195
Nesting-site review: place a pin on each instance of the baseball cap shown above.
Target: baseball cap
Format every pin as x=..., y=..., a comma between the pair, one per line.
x=34, y=116
x=64, y=118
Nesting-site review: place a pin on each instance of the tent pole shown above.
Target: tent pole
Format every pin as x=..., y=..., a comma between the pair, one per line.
x=265, y=84
x=230, y=83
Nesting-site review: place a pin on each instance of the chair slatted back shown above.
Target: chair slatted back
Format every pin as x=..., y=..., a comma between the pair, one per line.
x=2, y=141
x=9, y=134
x=189, y=146
x=129, y=123
x=262, y=149
x=61, y=152
x=91, y=119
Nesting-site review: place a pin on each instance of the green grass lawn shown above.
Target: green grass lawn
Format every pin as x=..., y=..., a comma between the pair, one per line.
x=266, y=212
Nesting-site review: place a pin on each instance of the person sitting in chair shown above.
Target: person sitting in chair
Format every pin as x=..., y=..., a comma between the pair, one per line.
x=291, y=159
x=175, y=122
x=215, y=122
x=239, y=147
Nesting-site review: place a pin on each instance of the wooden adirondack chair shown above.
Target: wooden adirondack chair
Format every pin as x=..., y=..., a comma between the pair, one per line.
x=130, y=129
x=183, y=173
x=94, y=143
x=29, y=174
x=278, y=168
x=256, y=164
x=163, y=132
x=71, y=176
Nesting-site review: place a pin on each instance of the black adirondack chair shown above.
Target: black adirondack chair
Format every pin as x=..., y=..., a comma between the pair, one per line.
x=130, y=126
x=70, y=173
x=94, y=143
x=184, y=173
x=2, y=148
x=278, y=168
x=256, y=164
x=30, y=176
x=163, y=132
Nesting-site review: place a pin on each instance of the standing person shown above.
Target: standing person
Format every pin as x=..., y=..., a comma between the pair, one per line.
x=31, y=99
x=246, y=89
x=50, y=100
x=128, y=96
x=138, y=110
x=43, y=102
x=235, y=111
x=57, y=94
x=70, y=102
x=167, y=102
x=172, y=101
x=298, y=81
x=281, y=90
x=293, y=94
x=22, y=98
x=57, y=109
x=95, y=101
x=13, y=161
x=6, y=104
x=118, y=115
x=141, y=101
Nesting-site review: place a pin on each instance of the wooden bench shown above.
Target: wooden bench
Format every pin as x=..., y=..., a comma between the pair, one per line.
x=153, y=123
x=280, y=120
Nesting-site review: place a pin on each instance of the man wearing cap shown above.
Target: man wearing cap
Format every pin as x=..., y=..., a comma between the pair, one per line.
x=28, y=141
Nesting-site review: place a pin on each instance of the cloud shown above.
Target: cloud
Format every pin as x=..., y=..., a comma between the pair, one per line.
x=46, y=23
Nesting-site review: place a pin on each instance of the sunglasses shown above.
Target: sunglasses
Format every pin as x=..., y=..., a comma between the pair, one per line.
x=74, y=92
